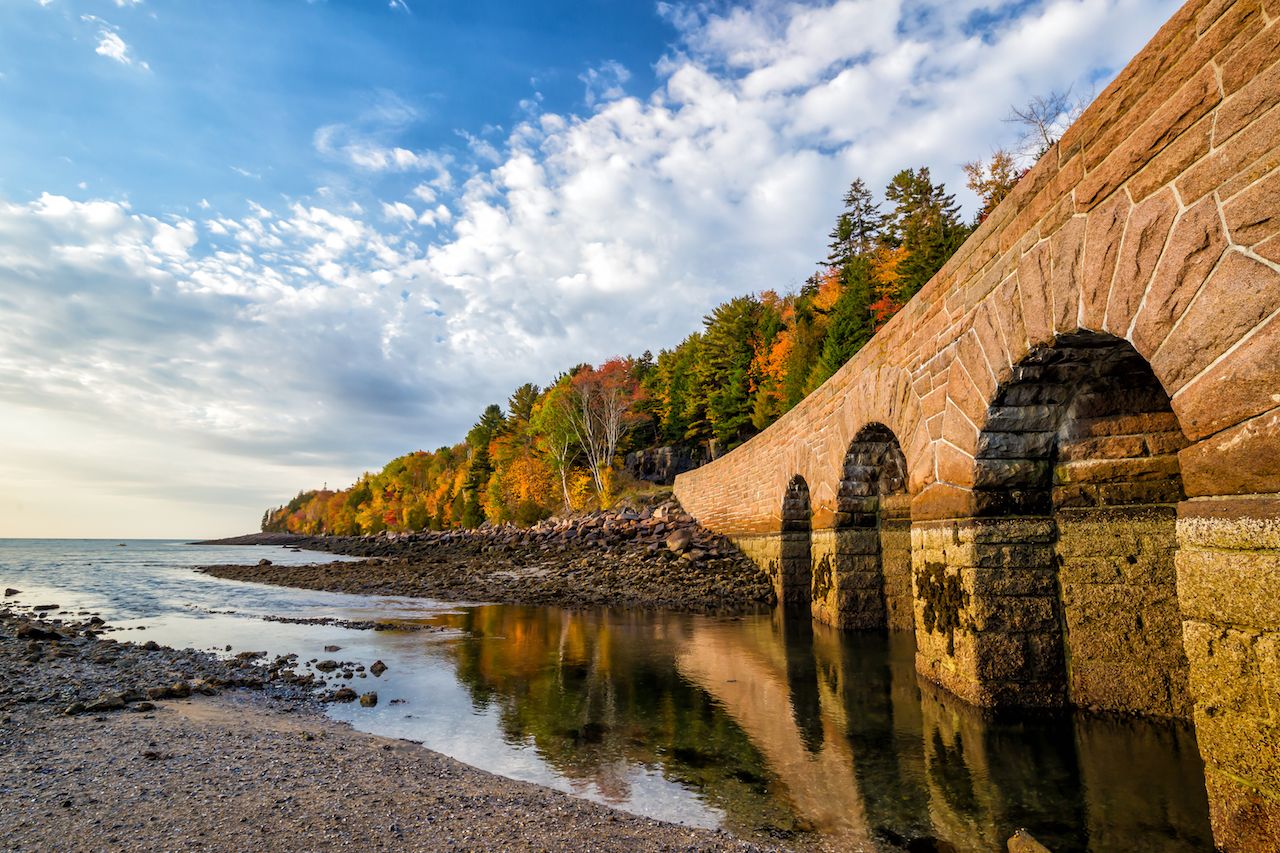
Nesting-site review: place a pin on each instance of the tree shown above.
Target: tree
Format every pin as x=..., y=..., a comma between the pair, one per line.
x=1042, y=120
x=857, y=227
x=725, y=367
x=480, y=468
x=521, y=402
x=993, y=180
x=850, y=326
x=553, y=424
x=603, y=399
x=925, y=221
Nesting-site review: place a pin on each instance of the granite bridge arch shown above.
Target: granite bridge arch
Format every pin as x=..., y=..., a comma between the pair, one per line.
x=1084, y=405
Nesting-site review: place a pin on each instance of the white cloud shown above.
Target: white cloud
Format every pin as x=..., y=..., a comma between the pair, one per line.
x=398, y=212
x=605, y=82
x=111, y=45
x=311, y=335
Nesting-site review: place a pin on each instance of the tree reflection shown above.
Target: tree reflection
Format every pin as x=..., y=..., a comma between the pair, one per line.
x=788, y=727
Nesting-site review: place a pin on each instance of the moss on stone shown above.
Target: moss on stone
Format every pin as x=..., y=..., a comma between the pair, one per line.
x=943, y=598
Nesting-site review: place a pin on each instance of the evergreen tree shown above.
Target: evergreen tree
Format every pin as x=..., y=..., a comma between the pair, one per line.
x=857, y=227
x=725, y=366
x=849, y=328
x=925, y=221
x=520, y=403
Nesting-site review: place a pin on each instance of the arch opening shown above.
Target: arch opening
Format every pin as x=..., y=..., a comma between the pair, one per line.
x=869, y=585
x=1084, y=437
x=796, y=564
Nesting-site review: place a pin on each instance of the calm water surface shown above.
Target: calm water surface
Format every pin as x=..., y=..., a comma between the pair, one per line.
x=756, y=724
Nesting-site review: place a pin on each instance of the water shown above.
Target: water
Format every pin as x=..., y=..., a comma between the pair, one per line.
x=757, y=724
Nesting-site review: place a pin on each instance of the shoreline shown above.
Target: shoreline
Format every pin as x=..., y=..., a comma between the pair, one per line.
x=658, y=559
x=250, y=763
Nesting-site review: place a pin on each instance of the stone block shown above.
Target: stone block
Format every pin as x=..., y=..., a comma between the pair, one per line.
x=1123, y=470
x=1244, y=745
x=1022, y=581
x=1034, y=269
x=1235, y=299
x=1224, y=674
x=1237, y=587
x=1125, y=424
x=1161, y=491
x=1020, y=613
x=1120, y=687
x=1106, y=447
x=1015, y=445
x=1103, y=235
x=1144, y=241
x=1242, y=460
x=1238, y=524
x=1254, y=215
x=1067, y=250
x=1106, y=569
x=1194, y=246
x=1236, y=162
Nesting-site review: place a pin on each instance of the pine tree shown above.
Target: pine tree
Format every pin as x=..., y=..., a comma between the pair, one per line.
x=520, y=403
x=849, y=328
x=725, y=367
x=925, y=221
x=857, y=227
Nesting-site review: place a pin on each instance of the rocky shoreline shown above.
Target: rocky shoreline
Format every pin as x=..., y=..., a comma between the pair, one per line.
x=646, y=558
x=114, y=745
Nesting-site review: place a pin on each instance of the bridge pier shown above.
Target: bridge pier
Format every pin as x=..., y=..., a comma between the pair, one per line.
x=986, y=610
x=1229, y=591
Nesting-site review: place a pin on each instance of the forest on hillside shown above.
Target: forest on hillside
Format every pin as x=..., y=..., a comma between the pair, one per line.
x=556, y=448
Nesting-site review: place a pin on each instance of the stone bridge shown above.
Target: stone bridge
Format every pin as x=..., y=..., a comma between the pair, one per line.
x=1060, y=463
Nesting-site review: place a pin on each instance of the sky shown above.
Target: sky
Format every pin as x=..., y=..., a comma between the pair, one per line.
x=253, y=248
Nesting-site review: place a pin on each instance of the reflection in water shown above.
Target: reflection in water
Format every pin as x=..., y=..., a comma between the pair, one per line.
x=786, y=727
x=763, y=724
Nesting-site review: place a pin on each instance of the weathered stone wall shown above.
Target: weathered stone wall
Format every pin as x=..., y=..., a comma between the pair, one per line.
x=1120, y=610
x=1229, y=590
x=986, y=605
x=1154, y=221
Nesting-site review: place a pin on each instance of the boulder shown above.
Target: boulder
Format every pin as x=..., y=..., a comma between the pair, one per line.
x=105, y=703
x=369, y=700
x=378, y=667
x=679, y=541
x=27, y=631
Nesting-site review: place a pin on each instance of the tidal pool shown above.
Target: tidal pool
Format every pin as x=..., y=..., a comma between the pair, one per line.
x=761, y=724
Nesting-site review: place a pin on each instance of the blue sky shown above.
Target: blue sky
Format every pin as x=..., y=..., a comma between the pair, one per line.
x=247, y=252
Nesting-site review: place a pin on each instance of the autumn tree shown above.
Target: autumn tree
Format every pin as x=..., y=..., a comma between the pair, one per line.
x=992, y=180
x=553, y=426
x=603, y=403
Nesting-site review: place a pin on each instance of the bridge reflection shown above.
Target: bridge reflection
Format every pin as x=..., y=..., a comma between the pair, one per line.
x=788, y=727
